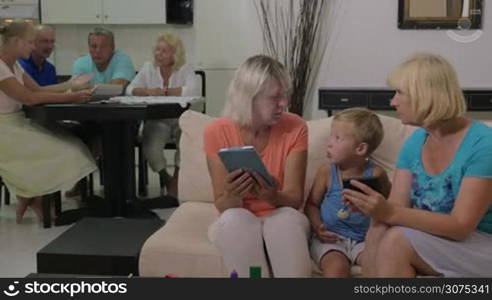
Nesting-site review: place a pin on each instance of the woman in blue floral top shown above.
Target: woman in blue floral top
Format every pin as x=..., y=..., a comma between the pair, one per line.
x=438, y=218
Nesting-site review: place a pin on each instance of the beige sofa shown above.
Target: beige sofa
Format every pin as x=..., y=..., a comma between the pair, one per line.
x=181, y=247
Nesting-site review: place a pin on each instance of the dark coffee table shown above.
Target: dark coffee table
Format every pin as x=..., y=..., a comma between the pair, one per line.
x=98, y=246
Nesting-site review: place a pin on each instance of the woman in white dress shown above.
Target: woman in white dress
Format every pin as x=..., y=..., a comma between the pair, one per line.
x=168, y=75
x=34, y=160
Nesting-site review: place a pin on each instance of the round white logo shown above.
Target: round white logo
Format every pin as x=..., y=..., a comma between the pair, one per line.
x=11, y=291
x=464, y=36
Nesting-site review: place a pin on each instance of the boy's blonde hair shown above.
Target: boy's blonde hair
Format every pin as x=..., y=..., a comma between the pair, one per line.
x=367, y=126
x=248, y=82
x=179, y=50
x=431, y=84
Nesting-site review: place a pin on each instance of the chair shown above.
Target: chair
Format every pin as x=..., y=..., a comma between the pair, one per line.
x=5, y=192
x=63, y=78
x=46, y=203
x=143, y=179
x=46, y=206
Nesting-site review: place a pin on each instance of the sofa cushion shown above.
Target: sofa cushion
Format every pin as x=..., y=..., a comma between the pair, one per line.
x=318, y=132
x=182, y=247
x=194, y=182
x=395, y=134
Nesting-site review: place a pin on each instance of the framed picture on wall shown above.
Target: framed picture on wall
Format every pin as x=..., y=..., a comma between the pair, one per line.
x=440, y=14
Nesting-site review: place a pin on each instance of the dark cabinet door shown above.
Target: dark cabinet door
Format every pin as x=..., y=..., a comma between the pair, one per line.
x=341, y=100
x=381, y=100
x=480, y=101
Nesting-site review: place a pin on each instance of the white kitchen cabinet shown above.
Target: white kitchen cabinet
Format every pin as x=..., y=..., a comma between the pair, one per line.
x=71, y=11
x=25, y=9
x=19, y=2
x=103, y=11
x=134, y=12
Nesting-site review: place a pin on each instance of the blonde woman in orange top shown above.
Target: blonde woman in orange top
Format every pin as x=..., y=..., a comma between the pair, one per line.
x=259, y=223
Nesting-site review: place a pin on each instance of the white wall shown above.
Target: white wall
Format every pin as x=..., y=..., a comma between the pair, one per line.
x=226, y=33
x=366, y=45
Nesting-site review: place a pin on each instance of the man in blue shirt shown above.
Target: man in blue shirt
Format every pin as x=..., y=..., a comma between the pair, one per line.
x=107, y=64
x=41, y=70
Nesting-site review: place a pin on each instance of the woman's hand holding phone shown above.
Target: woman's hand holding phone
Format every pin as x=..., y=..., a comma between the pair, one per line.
x=368, y=201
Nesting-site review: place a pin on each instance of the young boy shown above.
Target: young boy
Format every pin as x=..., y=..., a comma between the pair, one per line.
x=339, y=231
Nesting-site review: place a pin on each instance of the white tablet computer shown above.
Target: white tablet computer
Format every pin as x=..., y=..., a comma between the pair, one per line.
x=245, y=158
x=102, y=91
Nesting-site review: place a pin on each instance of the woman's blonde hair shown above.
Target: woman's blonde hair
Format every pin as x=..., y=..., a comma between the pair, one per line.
x=431, y=84
x=367, y=126
x=18, y=28
x=249, y=81
x=176, y=43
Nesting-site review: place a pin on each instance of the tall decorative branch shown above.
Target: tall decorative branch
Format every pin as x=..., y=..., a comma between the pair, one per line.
x=295, y=33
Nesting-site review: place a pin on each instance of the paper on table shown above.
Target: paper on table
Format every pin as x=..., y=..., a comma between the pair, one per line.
x=183, y=101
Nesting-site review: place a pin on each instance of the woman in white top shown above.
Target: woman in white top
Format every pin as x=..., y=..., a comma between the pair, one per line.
x=34, y=160
x=168, y=75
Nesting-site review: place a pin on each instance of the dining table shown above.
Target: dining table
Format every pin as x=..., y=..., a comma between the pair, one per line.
x=118, y=120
